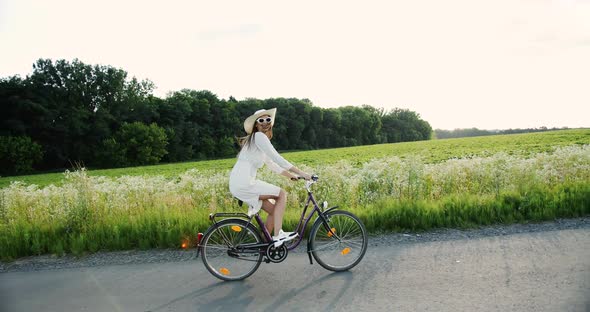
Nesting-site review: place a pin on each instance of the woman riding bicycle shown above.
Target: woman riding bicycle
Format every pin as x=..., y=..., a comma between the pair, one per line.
x=256, y=150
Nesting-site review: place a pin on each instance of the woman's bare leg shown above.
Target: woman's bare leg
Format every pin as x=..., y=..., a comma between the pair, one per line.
x=279, y=210
x=270, y=219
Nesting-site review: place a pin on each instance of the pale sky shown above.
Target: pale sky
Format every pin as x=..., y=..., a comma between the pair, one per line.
x=493, y=64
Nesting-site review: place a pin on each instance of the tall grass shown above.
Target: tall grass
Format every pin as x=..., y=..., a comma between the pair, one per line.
x=88, y=213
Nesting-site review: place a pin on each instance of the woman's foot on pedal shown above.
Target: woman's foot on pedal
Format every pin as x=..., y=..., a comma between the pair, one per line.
x=283, y=237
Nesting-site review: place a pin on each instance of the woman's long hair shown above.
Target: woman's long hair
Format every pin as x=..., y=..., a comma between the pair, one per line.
x=245, y=141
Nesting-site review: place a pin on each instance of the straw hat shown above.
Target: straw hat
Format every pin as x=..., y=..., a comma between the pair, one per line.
x=249, y=122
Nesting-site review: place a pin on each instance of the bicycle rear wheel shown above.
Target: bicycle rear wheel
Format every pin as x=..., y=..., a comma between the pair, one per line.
x=222, y=255
x=341, y=244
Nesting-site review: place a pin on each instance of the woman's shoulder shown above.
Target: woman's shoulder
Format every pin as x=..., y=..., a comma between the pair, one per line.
x=261, y=136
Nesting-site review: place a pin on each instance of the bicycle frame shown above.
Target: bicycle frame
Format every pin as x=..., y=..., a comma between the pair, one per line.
x=303, y=221
x=302, y=225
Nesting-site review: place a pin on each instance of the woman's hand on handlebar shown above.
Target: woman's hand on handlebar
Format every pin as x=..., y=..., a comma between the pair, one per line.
x=295, y=178
x=306, y=177
x=300, y=173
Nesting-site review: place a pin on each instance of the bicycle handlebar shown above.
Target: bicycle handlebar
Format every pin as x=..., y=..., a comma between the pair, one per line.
x=314, y=177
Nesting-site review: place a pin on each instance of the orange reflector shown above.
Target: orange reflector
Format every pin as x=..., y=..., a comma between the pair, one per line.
x=345, y=251
x=236, y=228
x=184, y=243
x=224, y=271
x=332, y=231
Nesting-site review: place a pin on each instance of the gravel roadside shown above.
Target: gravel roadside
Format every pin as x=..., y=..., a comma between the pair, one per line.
x=52, y=262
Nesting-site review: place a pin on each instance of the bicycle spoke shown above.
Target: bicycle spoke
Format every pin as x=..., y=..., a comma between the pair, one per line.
x=340, y=243
x=343, y=245
x=356, y=243
x=221, y=257
x=327, y=246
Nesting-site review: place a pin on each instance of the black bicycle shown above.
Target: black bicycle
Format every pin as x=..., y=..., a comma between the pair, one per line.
x=233, y=247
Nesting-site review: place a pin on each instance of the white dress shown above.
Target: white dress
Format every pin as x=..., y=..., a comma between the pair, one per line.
x=242, y=180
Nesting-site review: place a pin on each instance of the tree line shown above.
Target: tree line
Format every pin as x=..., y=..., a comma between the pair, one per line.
x=67, y=113
x=472, y=132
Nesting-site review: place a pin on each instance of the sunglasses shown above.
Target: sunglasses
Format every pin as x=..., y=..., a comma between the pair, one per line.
x=262, y=120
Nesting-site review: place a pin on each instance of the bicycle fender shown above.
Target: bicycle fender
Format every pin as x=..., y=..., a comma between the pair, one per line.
x=330, y=209
x=309, y=250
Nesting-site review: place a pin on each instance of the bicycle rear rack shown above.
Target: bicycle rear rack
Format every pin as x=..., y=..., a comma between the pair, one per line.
x=212, y=216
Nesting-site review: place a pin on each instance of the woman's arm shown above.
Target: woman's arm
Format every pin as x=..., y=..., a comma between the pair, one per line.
x=263, y=144
x=300, y=173
x=272, y=165
x=288, y=175
x=271, y=155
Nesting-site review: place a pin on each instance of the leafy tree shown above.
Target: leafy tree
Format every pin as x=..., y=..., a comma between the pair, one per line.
x=402, y=125
x=18, y=154
x=84, y=104
x=134, y=144
x=143, y=145
x=112, y=154
x=98, y=116
x=332, y=127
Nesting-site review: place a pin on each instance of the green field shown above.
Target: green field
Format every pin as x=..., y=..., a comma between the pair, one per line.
x=412, y=186
x=430, y=152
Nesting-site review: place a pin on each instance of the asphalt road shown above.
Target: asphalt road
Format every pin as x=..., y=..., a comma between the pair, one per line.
x=542, y=271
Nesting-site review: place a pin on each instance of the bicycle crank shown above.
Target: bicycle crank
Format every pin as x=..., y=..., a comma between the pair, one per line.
x=276, y=255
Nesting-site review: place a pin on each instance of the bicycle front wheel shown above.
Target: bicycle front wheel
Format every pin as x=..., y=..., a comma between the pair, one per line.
x=340, y=244
x=224, y=250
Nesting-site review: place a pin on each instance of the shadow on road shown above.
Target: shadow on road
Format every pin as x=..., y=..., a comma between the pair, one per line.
x=224, y=296
x=232, y=300
x=320, y=292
